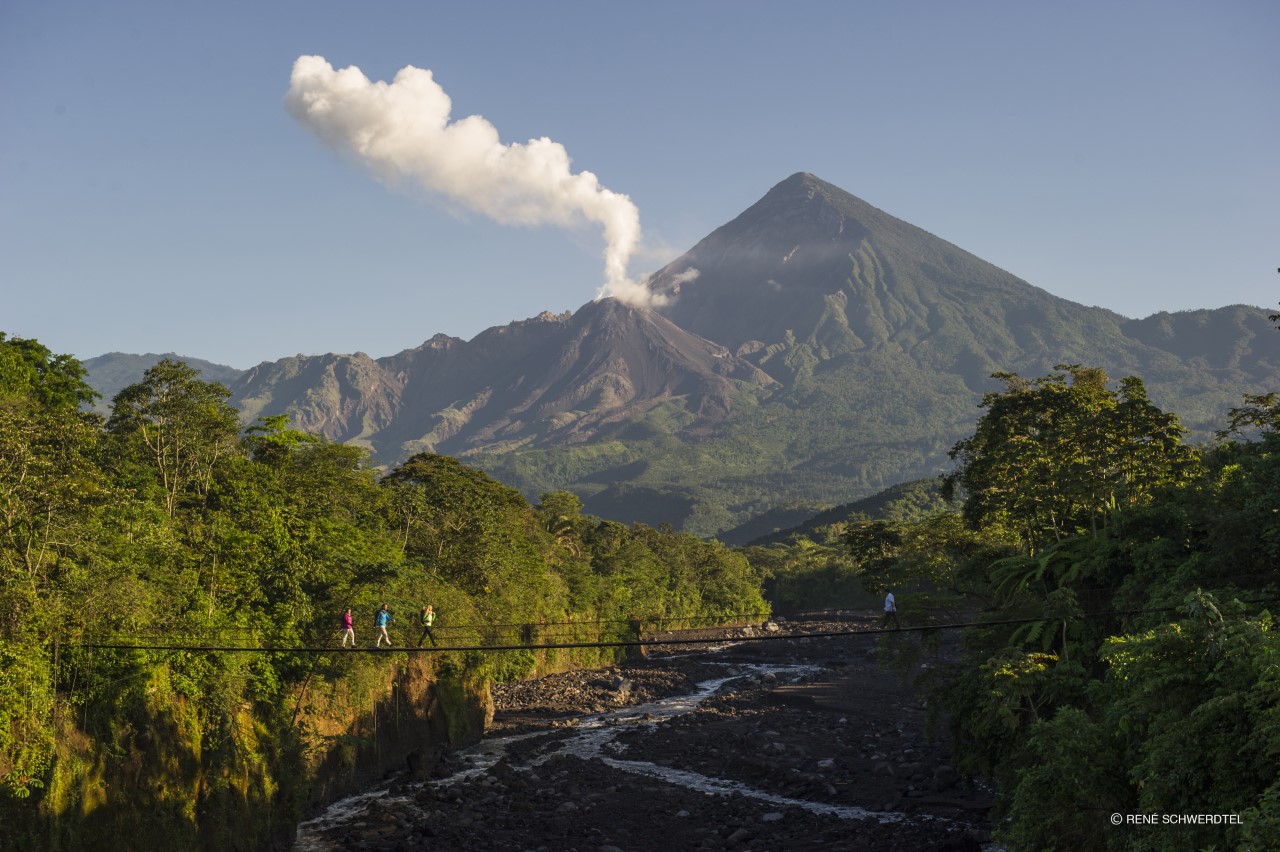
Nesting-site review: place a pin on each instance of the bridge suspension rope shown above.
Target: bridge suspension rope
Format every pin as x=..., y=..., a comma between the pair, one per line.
x=640, y=641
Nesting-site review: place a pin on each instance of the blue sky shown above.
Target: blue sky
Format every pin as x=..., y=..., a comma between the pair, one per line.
x=155, y=194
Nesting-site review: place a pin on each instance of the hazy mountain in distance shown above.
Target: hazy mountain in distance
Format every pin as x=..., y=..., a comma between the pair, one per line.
x=113, y=372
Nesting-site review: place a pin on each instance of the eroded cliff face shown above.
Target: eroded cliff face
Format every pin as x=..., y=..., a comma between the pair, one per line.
x=405, y=717
x=158, y=770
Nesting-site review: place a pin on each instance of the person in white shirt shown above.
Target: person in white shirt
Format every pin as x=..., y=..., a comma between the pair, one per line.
x=890, y=612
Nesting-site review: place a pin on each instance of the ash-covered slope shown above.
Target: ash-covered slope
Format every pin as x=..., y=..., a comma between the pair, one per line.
x=348, y=398
x=551, y=380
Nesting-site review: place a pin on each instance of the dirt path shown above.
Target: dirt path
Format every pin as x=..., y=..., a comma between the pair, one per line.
x=824, y=749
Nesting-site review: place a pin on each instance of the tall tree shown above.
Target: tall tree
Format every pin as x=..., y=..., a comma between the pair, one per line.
x=1054, y=456
x=185, y=425
x=50, y=488
x=29, y=369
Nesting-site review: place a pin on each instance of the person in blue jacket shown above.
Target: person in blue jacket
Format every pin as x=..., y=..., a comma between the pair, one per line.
x=380, y=621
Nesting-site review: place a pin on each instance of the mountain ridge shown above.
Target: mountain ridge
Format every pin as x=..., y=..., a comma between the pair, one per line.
x=527, y=383
x=812, y=351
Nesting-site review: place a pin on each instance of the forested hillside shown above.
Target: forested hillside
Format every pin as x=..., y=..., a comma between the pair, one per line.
x=1131, y=665
x=138, y=551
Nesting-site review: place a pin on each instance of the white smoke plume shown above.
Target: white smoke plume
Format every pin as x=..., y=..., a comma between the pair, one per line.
x=402, y=131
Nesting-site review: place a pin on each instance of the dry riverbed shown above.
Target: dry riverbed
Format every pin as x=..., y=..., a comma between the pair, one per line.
x=802, y=744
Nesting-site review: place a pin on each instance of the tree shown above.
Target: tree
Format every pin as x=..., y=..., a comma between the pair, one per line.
x=1193, y=707
x=271, y=441
x=47, y=480
x=561, y=513
x=472, y=529
x=937, y=557
x=50, y=488
x=29, y=369
x=1055, y=456
x=49, y=491
x=1259, y=414
x=184, y=424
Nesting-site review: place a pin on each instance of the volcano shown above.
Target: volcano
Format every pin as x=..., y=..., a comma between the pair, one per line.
x=813, y=351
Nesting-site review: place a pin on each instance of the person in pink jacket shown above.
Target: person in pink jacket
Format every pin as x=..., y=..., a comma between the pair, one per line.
x=348, y=629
